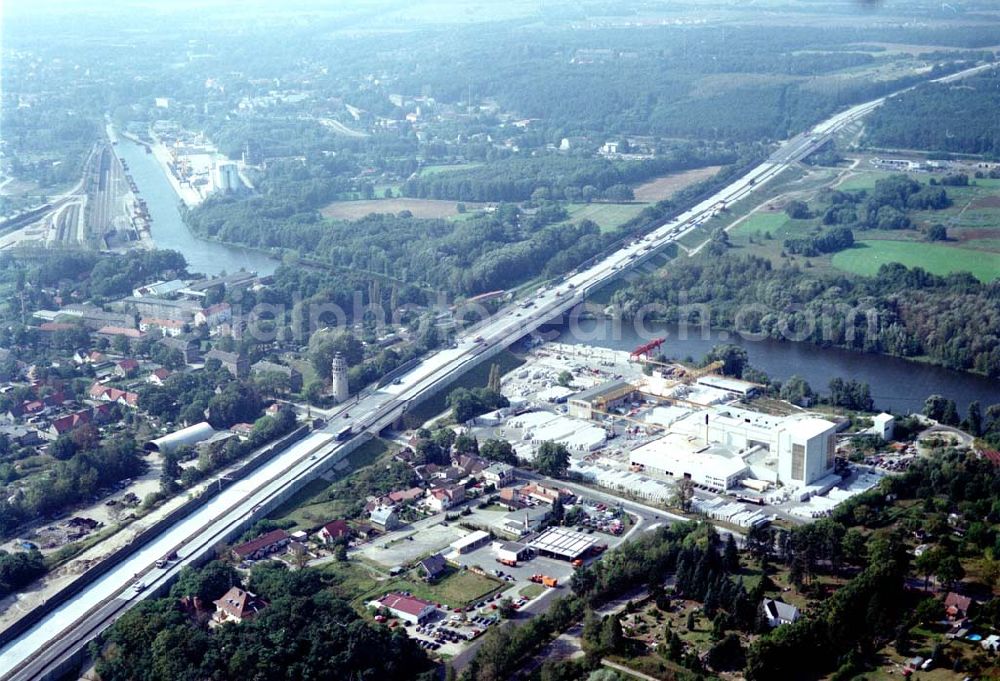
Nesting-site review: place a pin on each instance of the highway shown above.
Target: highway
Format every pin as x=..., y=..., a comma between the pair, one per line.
x=46, y=649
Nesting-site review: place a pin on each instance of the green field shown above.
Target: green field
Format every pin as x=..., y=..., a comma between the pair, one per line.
x=608, y=216
x=867, y=256
x=360, y=584
x=761, y=223
x=436, y=169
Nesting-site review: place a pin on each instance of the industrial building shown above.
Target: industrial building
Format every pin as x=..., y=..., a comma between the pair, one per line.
x=189, y=436
x=471, y=542
x=563, y=543
x=714, y=466
x=601, y=398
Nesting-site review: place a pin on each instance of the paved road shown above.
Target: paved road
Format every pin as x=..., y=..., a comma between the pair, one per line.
x=69, y=626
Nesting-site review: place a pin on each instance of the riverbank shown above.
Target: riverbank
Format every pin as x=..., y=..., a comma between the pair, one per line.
x=186, y=193
x=897, y=385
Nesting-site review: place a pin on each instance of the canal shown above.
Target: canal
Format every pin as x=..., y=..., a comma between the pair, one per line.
x=169, y=230
x=897, y=385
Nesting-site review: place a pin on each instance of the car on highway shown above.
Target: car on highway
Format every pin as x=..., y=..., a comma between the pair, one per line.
x=138, y=587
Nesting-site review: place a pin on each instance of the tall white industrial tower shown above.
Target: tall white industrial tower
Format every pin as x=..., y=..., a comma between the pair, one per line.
x=339, y=375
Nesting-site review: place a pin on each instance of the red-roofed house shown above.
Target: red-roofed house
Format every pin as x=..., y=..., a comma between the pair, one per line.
x=409, y=608
x=158, y=376
x=64, y=424
x=126, y=368
x=237, y=605
x=992, y=455
x=262, y=546
x=957, y=606
x=403, y=495
x=334, y=530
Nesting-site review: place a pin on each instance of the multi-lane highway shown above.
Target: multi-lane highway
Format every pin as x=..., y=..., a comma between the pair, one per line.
x=51, y=645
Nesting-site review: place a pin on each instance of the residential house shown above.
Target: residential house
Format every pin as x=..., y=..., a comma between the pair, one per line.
x=442, y=498
x=334, y=530
x=105, y=393
x=405, y=495
x=262, y=546
x=126, y=368
x=158, y=376
x=112, y=332
x=238, y=605
x=65, y=424
x=21, y=436
x=214, y=315
x=470, y=463
x=525, y=521
x=384, y=518
x=292, y=375
x=188, y=347
x=779, y=612
x=957, y=606
x=544, y=493
x=500, y=474
x=433, y=567
x=409, y=608
x=234, y=362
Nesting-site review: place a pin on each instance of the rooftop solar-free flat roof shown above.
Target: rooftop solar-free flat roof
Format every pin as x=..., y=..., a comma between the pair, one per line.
x=563, y=543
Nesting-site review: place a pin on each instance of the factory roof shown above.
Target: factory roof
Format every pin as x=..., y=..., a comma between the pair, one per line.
x=563, y=543
x=591, y=394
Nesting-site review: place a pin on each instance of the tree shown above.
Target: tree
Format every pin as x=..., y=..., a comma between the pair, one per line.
x=498, y=450
x=731, y=556
x=552, y=458
x=506, y=609
x=949, y=570
x=974, y=420
x=937, y=232
x=734, y=358
x=675, y=651
x=612, y=638
x=565, y=378
x=797, y=210
x=207, y=583
x=692, y=621
x=683, y=494
x=797, y=391
x=728, y=654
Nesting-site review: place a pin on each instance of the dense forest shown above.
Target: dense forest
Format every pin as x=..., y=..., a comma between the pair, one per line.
x=945, y=117
x=952, y=321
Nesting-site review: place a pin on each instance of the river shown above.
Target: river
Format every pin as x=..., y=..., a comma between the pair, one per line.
x=168, y=228
x=897, y=385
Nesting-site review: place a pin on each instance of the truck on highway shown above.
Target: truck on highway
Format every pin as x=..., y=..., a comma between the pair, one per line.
x=166, y=560
x=344, y=434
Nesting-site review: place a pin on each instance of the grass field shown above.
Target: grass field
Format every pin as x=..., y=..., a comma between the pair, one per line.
x=360, y=584
x=421, y=208
x=761, y=223
x=606, y=215
x=868, y=255
x=664, y=187
x=436, y=169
